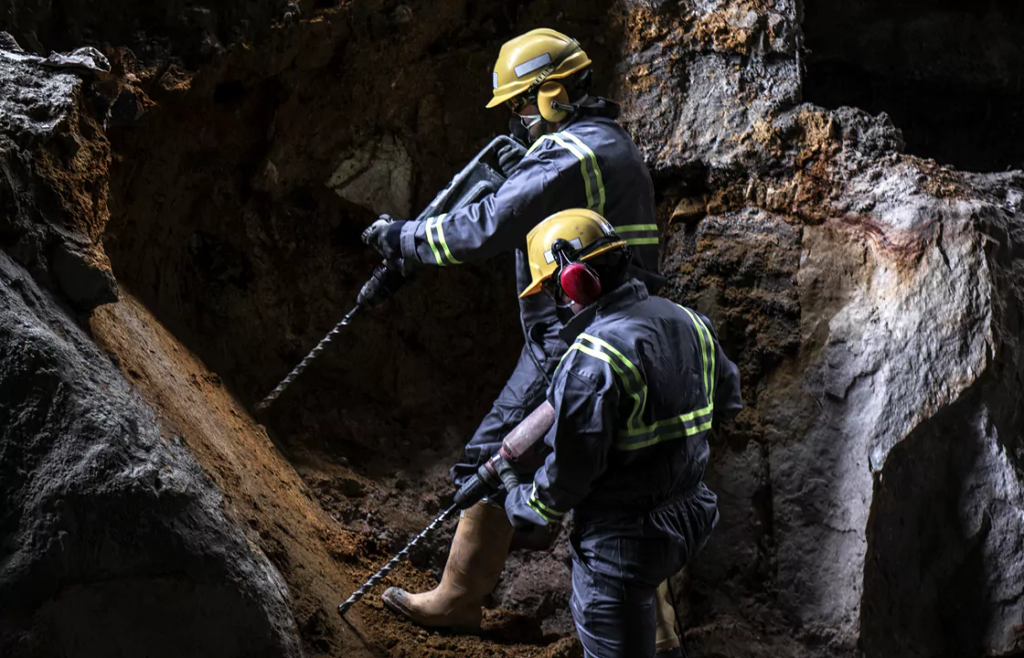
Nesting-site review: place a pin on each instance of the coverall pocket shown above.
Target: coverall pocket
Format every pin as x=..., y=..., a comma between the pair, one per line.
x=687, y=522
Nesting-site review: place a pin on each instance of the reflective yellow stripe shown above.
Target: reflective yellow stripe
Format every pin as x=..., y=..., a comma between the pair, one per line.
x=636, y=434
x=541, y=512
x=548, y=514
x=640, y=387
x=444, y=245
x=698, y=326
x=639, y=228
x=641, y=240
x=713, y=371
x=592, y=179
x=536, y=144
x=633, y=228
x=690, y=431
x=594, y=168
x=647, y=429
x=597, y=354
x=704, y=331
x=433, y=246
x=583, y=165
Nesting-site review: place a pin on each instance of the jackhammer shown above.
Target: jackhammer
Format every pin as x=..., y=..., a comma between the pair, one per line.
x=482, y=176
x=495, y=474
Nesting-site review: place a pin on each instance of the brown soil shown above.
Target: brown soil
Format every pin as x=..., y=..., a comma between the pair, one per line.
x=321, y=558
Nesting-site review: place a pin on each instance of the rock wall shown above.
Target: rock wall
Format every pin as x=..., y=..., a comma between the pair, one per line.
x=54, y=177
x=947, y=72
x=115, y=542
x=864, y=297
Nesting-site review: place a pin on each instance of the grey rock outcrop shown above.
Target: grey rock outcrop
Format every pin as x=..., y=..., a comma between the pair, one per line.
x=871, y=492
x=54, y=163
x=114, y=541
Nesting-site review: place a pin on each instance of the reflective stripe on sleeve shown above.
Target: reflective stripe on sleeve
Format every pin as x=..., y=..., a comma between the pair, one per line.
x=430, y=239
x=438, y=245
x=545, y=512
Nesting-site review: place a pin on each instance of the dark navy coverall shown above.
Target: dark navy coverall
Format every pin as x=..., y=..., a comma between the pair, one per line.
x=590, y=163
x=635, y=397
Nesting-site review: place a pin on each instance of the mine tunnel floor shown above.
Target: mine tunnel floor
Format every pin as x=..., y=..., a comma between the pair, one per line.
x=325, y=527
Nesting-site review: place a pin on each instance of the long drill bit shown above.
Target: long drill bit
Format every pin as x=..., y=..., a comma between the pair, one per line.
x=377, y=577
x=286, y=382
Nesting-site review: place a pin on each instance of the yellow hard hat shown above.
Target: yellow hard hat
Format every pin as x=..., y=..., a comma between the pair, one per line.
x=528, y=60
x=588, y=233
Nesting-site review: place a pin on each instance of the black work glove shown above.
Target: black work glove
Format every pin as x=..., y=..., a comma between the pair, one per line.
x=509, y=158
x=384, y=235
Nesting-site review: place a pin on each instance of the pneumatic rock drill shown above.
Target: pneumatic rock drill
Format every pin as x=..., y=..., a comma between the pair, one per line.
x=482, y=176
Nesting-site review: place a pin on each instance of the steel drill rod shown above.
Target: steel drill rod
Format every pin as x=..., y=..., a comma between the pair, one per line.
x=377, y=577
x=286, y=382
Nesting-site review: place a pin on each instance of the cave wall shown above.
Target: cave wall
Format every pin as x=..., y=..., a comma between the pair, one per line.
x=948, y=72
x=115, y=542
x=54, y=178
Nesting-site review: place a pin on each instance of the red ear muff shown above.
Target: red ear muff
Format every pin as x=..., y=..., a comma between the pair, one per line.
x=580, y=283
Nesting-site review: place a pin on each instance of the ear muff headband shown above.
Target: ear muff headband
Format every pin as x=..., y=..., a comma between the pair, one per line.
x=569, y=49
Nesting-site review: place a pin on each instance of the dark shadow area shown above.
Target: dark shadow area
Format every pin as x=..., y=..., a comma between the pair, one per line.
x=926, y=586
x=948, y=72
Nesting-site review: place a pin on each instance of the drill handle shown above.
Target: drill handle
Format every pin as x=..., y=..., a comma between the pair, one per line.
x=382, y=284
x=527, y=433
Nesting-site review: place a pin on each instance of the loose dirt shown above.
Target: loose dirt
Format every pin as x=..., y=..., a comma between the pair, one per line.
x=324, y=526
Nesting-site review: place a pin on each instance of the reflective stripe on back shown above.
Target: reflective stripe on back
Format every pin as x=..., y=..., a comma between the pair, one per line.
x=636, y=434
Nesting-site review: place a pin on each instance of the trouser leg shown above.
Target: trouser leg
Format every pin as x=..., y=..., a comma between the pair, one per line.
x=523, y=392
x=614, y=619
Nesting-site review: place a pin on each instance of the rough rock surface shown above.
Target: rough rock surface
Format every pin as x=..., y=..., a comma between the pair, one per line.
x=54, y=173
x=947, y=72
x=114, y=540
x=865, y=297
x=871, y=491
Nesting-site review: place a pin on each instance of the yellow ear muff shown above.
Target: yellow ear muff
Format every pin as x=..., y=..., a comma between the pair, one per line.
x=552, y=92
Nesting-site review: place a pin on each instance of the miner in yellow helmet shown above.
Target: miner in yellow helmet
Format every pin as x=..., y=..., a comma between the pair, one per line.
x=578, y=157
x=635, y=398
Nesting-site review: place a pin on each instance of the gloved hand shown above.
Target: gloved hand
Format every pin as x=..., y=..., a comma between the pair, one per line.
x=384, y=235
x=492, y=476
x=509, y=158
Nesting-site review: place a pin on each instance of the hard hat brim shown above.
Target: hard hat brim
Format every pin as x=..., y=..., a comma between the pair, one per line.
x=537, y=284
x=498, y=100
